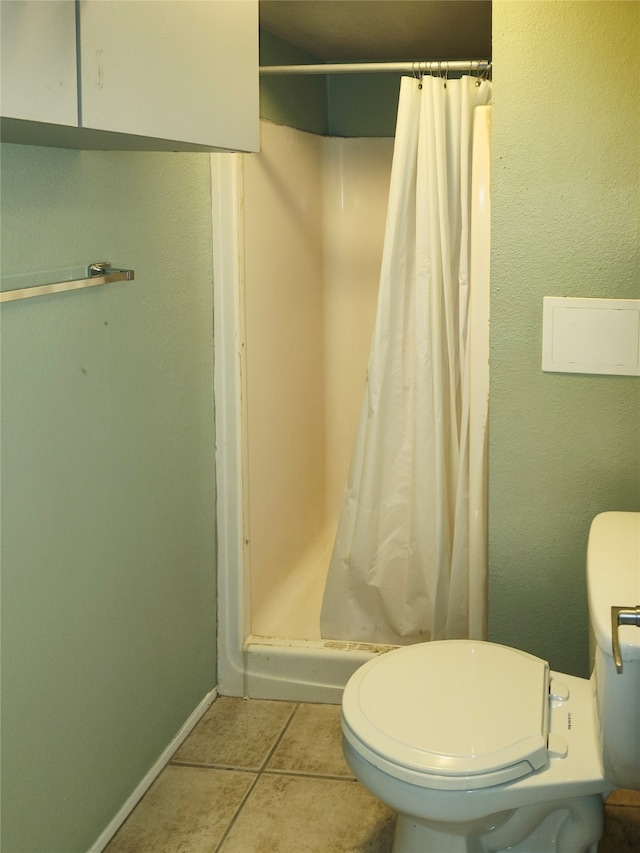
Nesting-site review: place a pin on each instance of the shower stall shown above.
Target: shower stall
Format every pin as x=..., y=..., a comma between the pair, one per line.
x=297, y=239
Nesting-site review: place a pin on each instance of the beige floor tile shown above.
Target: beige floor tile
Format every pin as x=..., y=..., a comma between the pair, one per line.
x=186, y=810
x=621, y=830
x=235, y=733
x=302, y=814
x=623, y=797
x=312, y=743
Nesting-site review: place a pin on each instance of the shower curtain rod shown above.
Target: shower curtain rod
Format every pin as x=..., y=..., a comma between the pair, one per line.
x=418, y=67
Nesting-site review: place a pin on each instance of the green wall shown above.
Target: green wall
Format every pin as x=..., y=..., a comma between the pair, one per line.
x=108, y=504
x=334, y=105
x=298, y=101
x=363, y=104
x=565, y=215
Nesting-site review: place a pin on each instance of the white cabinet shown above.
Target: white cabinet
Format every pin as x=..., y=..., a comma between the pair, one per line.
x=146, y=74
x=184, y=70
x=39, y=81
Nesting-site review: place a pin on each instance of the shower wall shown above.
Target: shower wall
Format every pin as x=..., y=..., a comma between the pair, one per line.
x=314, y=216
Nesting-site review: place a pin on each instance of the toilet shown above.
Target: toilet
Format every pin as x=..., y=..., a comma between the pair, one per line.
x=480, y=748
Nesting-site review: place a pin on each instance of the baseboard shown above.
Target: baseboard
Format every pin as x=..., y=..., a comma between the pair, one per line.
x=141, y=789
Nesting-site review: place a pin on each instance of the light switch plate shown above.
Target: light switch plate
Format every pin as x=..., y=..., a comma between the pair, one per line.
x=591, y=335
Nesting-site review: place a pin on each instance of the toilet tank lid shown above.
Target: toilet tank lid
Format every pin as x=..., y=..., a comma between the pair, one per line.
x=452, y=709
x=613, y=577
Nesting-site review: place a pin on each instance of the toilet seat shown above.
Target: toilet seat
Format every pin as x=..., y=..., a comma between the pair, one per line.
x=452, y=715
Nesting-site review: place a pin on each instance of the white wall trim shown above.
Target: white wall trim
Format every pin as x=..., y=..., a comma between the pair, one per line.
x=233, y=602
x=141, y=789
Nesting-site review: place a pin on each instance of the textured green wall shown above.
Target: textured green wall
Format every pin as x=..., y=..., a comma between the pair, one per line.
x=296, y=101
x=565, y=215
x=108, y=516
x=363, y=104
x=334, y=105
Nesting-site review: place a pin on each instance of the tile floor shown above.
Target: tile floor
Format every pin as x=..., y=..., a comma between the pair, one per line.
x=258, y=776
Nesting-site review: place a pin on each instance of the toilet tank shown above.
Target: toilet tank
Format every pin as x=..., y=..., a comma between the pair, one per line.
x=613, y=580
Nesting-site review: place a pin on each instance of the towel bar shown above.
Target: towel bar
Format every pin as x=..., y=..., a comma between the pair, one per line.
x=98, y=273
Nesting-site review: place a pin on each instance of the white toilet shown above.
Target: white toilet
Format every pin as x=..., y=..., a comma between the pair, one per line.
x=479, y=747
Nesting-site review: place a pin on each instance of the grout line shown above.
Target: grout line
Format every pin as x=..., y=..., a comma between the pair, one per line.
x=271, y=771
x=215, y=766
x=333, y=777
x=277, y=771
x=279, y=738
x=236, y=814
x=258, y=774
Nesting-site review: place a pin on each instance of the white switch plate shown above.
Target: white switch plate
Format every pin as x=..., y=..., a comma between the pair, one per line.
x=591, y=335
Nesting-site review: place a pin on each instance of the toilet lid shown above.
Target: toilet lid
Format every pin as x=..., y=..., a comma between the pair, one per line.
x=453, y=714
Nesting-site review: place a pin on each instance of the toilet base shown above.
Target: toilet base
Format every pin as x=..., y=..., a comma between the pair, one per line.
x=571, y=826
x=413, y=836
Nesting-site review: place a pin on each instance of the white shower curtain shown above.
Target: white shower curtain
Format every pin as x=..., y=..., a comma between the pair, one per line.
x=399, y=571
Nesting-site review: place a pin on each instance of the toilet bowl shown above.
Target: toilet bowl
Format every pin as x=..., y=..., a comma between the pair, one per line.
x=480, y=747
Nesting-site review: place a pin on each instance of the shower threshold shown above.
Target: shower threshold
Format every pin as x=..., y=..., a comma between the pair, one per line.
x=302, y=670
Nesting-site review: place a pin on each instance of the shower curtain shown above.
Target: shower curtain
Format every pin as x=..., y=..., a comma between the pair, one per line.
x=400, y=568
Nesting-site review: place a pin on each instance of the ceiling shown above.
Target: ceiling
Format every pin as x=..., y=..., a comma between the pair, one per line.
x=382, y=30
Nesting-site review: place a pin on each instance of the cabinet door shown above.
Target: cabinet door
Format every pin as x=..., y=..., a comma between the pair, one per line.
x=39, y=79
x=184, y=70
